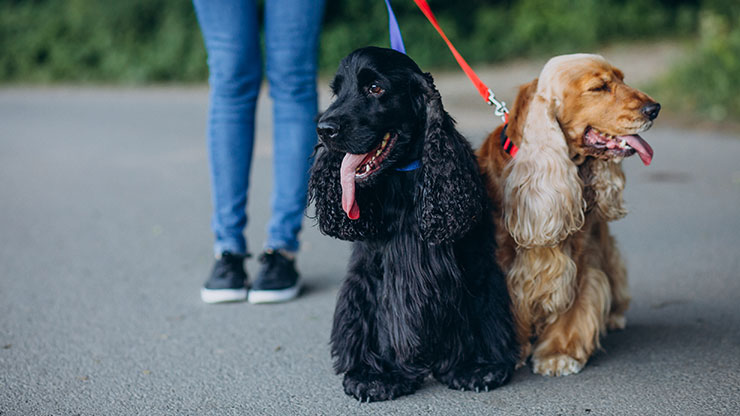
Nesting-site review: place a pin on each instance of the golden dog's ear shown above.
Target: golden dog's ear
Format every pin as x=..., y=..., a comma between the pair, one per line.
x=543, y=201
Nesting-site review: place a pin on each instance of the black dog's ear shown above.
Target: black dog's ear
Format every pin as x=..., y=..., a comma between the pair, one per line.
x=450, y=198
x=325, y=192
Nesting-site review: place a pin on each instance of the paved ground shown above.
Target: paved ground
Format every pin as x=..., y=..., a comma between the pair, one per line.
x=104, y=243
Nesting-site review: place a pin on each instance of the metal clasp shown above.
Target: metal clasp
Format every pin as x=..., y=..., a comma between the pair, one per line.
x=500, y=109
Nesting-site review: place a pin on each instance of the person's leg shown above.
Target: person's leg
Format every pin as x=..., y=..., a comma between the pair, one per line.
x=230, y=31
x=291, y=42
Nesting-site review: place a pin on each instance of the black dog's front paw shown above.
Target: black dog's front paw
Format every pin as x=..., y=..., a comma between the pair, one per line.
x=375, y=387
x=482, y=377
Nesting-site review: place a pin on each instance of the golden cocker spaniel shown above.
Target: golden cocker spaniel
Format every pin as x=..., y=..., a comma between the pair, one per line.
x=572, y=127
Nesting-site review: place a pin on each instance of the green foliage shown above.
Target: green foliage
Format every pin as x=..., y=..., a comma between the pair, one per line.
x=130, y=41
x=489, y=31
x=708, y=83
x=139, y=41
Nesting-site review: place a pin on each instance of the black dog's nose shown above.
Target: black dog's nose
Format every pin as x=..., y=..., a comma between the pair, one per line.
x=327, y=129
x=651, y=111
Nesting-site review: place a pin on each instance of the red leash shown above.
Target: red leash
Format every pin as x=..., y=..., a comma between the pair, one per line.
x=482, y=88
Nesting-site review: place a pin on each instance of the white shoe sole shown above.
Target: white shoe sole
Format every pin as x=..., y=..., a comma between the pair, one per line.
x=273, y=296
x=222, y=295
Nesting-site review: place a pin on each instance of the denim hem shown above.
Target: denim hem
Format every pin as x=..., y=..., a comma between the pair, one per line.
x=282, y=245
x=233, y=248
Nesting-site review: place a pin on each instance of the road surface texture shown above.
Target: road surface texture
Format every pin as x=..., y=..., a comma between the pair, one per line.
x=105, y=241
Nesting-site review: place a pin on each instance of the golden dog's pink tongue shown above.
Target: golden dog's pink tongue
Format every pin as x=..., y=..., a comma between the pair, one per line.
x=347, y=179
x=642, y=147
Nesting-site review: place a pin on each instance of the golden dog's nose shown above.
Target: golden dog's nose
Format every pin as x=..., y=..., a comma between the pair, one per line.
x=651, y=111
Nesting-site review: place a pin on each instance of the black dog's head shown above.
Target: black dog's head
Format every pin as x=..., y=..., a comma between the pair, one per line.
x=376, y=113
x=387, y=114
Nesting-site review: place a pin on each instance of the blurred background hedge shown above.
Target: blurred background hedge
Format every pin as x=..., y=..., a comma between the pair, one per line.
x=707, y=85
x=147, y=41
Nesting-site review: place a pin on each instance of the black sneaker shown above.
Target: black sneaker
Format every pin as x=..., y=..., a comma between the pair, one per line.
x=226, y=283
x=277, y=280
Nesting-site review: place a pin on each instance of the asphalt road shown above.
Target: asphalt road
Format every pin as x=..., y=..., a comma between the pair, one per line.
x=105, y=241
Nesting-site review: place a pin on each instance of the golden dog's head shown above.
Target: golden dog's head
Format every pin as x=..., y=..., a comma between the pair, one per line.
x=579, y=107
x=598, y=113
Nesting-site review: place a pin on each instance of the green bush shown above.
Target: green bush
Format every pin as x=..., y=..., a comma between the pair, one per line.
x=489, y=31
x=142, y=41
x=94, y=40
x=708, y=83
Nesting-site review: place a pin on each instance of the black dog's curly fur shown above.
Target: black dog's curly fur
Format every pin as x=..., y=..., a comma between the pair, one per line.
x=423, y=294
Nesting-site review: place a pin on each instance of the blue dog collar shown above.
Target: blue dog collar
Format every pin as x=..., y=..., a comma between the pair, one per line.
x=411, y=166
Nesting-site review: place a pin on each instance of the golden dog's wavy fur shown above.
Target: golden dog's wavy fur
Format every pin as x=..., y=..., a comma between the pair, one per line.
x=564, y=272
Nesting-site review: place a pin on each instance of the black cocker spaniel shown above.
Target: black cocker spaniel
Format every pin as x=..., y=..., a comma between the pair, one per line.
x=423, y=294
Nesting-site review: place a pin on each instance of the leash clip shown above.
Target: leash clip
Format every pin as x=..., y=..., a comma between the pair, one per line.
x=500, y=109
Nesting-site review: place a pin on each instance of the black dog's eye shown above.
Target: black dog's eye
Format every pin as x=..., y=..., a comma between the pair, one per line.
x=375, y=89
x=336, y=84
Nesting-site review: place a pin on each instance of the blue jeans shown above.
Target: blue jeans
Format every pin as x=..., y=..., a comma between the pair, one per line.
x=231, y=32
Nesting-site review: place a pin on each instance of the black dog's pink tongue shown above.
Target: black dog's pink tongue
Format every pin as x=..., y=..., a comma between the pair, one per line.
x=642, y=147
x=347, y=179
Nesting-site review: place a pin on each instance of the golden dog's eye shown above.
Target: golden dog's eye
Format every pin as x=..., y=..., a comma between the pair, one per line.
x=375, y=89
x=603, y=87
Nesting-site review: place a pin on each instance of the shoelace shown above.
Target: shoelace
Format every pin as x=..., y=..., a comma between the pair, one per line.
x=269, y=258
x=228, y=261
x=266, y=256
x=272, y=257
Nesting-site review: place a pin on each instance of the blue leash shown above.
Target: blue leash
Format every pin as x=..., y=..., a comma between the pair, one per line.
x=397, y=44
x=394, y=30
